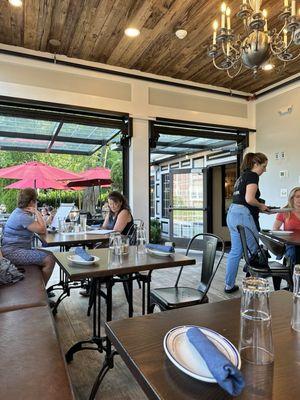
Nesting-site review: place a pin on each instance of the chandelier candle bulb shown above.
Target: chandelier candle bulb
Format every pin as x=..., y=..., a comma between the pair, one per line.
x=223, y=11
x=215, y=28
x=265, y=14
x=228, y=18
x=293, y=8
x=286, y=3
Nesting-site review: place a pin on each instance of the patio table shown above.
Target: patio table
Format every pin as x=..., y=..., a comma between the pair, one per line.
x=66, y=241
x=139, y=341
x=103, y=273
x=72, y=239
x=288, y=239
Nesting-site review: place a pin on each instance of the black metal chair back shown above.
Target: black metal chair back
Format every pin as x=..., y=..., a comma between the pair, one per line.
x=132, y=234
x=207, y=243
x=243, y=231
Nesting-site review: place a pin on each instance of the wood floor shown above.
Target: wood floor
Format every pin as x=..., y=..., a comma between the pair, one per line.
x=73, y=325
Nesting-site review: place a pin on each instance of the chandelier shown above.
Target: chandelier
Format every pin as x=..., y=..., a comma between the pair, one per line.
x=257, y=44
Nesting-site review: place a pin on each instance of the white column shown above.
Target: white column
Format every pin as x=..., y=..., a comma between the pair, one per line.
x=139, y=171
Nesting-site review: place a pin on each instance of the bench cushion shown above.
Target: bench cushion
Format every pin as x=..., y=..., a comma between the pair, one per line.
x=32, y=365
x=29, y=292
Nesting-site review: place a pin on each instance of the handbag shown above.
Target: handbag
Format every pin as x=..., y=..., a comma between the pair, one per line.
x=9, y=274
x=259, y=259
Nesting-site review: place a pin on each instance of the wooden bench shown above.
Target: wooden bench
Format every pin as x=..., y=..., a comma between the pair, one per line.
x=32, y=365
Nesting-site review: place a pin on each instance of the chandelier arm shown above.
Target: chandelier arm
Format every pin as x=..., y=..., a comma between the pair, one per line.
x=217, y=66
x=290, y=59
x=234, y=75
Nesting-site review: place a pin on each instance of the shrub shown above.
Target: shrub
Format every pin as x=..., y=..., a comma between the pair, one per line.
x=155, y=231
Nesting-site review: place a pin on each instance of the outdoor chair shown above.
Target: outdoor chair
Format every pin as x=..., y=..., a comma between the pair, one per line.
x=169, y=298
x=274, y=269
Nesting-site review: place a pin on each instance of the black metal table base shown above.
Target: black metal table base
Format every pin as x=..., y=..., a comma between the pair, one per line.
x=98, y=342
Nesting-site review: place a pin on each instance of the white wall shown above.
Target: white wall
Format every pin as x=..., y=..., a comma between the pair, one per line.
x=278, y=133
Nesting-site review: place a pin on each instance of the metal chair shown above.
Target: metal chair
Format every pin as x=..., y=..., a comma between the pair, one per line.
x=170, y=298
x=274, y=269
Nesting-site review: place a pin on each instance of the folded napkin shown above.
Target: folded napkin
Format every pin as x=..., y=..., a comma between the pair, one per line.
x=160, y=247
x=79, y=251
x=225, y=373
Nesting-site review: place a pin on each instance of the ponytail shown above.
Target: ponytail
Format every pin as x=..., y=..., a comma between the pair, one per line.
x=252, y=158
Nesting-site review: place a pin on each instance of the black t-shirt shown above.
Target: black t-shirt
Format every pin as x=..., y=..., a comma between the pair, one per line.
x=239, y=192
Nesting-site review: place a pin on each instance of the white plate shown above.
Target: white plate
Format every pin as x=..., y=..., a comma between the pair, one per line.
x=78, y=260
x=279, y=210
x=159, y=253
x=281, y=232
x=185, y=357
x=99, y=232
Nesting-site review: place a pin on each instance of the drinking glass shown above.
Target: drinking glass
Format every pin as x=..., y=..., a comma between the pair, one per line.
x=83, y=222
x=256, y=342
x=122, y=246
x=141, y=240
x=296, y=299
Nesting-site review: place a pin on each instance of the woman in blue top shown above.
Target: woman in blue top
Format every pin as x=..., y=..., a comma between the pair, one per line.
x=18, y=233
x=119, y=217
x=244, y=210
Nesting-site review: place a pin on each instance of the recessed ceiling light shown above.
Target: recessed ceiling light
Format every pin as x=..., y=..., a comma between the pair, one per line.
x=16, y=3
x=268, y=67
x=132, y=32
x=181, y=33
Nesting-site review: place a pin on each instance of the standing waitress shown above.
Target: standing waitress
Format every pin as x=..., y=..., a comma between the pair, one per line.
x=244, y=211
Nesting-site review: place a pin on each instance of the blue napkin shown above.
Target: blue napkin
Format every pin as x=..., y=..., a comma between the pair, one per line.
x=83, y=254
x=225, y=373
x=160, y=247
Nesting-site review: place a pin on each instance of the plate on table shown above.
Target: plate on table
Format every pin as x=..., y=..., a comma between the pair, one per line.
x=159, y=253
x=185, y=357
x=281, y=232
x=279, y=210
x=75, y=259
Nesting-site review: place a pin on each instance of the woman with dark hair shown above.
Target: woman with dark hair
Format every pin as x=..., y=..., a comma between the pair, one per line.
x=18, y=233
x=244, y=210
x=119, y=217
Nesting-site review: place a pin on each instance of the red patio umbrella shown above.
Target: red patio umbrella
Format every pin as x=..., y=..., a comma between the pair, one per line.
x=38, y=183
x=97, y=176
x=36, y=169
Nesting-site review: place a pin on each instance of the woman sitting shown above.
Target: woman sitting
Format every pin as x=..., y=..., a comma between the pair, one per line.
x=290, y=221
x=18, y=233
x=119, y=217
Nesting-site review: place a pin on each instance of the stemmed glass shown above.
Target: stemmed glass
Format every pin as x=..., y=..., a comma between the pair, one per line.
x=141, y=240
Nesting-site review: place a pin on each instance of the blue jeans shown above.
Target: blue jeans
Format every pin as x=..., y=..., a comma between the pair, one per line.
x=238, y=215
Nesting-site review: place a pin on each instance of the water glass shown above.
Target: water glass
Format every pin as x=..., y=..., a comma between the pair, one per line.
x=141, y=240
x=83, y=219
x=296, y=299
x=256, y=342
x=122, y=246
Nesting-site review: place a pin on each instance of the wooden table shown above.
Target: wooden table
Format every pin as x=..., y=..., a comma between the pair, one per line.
x=291, y=238
x=139, y=341
x=103, y=273
x=71, y=239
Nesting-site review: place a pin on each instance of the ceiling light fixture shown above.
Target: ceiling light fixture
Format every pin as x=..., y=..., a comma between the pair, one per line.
x=181, y=33
x=267, y=66
x=254, y=47
x=16, y=3
x=132, y=32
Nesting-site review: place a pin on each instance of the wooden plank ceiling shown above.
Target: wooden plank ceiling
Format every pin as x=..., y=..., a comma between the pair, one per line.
x=94, y=30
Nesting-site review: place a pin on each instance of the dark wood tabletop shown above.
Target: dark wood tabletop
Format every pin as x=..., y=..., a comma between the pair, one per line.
x=139, y=341
x=70, y=239
x=292, y=238
x=108, y=266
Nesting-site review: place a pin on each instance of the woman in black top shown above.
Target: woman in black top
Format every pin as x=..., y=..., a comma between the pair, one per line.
x=244, y=210
x=119, y=217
